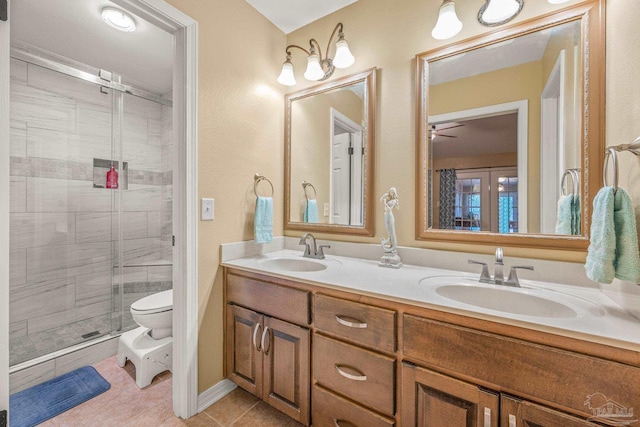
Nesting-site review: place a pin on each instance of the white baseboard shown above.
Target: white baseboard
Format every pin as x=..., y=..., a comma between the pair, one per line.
x=215, y=393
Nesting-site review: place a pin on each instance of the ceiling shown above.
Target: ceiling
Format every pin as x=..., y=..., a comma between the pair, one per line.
x=289, y=15
x=74, y=29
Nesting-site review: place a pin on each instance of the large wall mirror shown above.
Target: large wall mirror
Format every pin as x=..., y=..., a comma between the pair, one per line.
x=329, y=150
x=510, y=133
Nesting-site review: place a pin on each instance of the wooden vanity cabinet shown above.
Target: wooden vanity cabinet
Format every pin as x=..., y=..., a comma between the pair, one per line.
x=432, y=399
x=267, y=356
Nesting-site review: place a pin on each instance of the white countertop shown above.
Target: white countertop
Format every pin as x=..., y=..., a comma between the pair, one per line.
x=599, y=319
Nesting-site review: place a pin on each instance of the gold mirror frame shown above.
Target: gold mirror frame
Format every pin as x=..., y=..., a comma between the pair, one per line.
x=591, y=14
x=368, y=77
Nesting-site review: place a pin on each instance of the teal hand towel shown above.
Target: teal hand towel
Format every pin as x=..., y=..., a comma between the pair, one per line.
x=627, y=263
x=263, y=220
x=564, y=217
x=311, y=211
x=602, y=248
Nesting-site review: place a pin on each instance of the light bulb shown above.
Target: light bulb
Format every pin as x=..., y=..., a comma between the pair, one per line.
x=448, y=24
x=118, y=19
x=314, y=70
x=499, y=11
x=286, y=75
x=343, y=58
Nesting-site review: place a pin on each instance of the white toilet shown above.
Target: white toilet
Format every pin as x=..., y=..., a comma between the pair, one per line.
x=149, y=347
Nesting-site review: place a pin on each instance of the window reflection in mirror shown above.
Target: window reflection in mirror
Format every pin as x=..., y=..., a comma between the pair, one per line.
x=504, y=124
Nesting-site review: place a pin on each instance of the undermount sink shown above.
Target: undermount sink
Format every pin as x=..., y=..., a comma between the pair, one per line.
x=293, y=264
x=525, y=301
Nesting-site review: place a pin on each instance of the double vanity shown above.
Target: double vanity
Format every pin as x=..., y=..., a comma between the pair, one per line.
x=342, y=342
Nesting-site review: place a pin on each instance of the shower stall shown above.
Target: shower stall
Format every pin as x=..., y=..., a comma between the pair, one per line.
x=83, y=248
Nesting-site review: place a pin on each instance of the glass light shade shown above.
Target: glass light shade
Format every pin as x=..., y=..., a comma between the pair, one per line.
x=343, y=58
x=557, y=1
x=314, y=70
x=448, y=24
x=118, y=19
x=286, y=75
x=500, y=10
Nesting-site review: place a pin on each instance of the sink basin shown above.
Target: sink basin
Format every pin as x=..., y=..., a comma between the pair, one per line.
x=463, y=291
x=293, y=264
x=510, y=300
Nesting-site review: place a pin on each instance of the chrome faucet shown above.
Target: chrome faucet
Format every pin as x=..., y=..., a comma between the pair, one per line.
x=498, y=275
x=312, y=250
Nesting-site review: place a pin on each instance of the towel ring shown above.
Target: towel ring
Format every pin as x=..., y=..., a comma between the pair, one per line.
x=305, y=185
x=610, y=152
x=575, y=180
x=257, y=178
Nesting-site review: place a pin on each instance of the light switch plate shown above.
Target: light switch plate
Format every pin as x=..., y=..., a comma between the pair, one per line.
x=326, y=209
x=207, y=210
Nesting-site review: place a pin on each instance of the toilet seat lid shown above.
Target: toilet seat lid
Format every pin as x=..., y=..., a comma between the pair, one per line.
x=160, y=301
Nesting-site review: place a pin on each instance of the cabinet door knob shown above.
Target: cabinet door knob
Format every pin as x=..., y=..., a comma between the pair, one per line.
x=350, y=323
x=255, y=337
x=360, y=377
x=263, y=341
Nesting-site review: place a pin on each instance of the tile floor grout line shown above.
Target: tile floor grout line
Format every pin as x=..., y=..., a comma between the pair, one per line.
x=213, y=419
x=244, y=413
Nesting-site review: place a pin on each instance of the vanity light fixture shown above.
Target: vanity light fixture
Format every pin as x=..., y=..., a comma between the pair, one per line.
x=448, y=24
x=118, y=19
x=318, y=68
x=557, y=1
x=498, y=12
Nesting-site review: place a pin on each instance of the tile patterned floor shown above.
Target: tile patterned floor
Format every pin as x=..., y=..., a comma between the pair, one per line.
x=124, y=404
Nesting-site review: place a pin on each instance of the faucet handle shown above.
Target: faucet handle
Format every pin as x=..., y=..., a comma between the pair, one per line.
x=499, y=255
x=484, y=275
x=320, y=253
x=513, y=274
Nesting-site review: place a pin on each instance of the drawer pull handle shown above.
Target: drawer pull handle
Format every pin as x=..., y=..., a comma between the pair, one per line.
x=512, y=421
x=255, y=337
x=342, y=423
x=345, y=374
x=350, y=324
x=263, y=341
x=487, y=417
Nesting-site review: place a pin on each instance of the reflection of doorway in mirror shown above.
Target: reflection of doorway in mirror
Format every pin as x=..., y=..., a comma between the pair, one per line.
x=347, y=158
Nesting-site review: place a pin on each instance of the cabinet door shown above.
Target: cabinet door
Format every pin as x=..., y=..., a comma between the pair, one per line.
x=243, y=355
x=433, y=399
x=287, y=362
x=519, y=413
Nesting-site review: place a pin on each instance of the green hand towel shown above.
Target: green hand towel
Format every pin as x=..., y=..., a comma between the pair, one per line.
x=576, y=216
x=627, y=261
x=564, y=218
x=602, y=248
x=263, y=220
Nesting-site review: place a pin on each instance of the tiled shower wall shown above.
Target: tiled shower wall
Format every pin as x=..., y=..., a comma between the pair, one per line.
x=63, y=253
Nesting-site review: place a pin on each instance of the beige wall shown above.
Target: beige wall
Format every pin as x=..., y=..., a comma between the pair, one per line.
x=240, y=133
x=388, y=35
x=516, y=83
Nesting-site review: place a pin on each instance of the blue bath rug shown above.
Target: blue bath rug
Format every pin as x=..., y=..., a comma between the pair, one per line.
x=39, y=403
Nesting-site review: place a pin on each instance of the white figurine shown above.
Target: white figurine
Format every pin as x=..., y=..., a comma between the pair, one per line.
x=390, y=244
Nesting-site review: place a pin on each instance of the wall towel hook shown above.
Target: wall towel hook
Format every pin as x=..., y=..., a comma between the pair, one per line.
x=305, y=185
x=257, y=178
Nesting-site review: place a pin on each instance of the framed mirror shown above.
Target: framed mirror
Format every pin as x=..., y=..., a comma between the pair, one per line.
x=510, y=133
x=329, y=156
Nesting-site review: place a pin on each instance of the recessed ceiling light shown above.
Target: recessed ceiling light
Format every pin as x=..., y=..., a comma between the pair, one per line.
x=118, y=19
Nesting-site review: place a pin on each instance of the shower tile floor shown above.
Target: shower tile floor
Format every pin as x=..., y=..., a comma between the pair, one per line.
x=124, y=404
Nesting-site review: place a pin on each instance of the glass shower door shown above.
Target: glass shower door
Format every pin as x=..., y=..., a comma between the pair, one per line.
x=61, y=213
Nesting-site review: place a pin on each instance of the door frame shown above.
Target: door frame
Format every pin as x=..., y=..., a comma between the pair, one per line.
x=522, y=108
x=185, y=271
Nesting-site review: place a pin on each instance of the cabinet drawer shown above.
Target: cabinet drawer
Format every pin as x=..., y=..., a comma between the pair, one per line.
x=559, y=378
x=284, y=303
x=362, y=375
x=330, y=410
x=371, y=326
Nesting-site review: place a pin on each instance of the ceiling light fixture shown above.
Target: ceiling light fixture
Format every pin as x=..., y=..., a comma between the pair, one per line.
x=318, y=68
x=118, y=19
x=498, y=12
x=448, y=24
